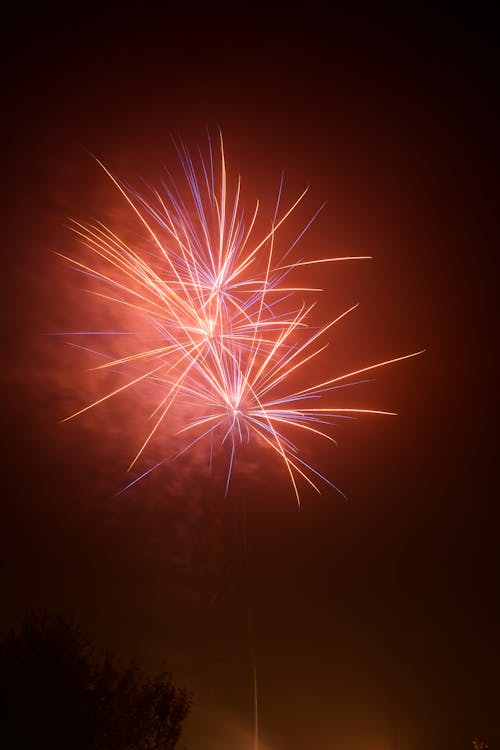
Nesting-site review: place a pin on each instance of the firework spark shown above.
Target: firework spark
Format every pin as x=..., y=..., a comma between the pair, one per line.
x=231, y=328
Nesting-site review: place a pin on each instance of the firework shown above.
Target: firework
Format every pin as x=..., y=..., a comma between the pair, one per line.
x=231, y=328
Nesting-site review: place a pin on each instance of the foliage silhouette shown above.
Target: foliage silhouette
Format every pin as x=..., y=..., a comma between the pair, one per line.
x=56, y=694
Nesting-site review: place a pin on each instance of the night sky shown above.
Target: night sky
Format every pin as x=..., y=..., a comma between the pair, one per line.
x=375, y=618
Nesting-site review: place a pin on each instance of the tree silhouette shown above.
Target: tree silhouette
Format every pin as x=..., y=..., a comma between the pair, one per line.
x=55, y=694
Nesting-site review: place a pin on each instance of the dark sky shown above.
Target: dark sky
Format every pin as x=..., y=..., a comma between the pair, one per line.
x=375, y=619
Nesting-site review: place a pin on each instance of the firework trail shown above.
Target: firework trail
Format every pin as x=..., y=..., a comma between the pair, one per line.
x=230, y=326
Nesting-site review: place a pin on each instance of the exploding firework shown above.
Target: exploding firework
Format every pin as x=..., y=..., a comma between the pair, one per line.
x=230, y=330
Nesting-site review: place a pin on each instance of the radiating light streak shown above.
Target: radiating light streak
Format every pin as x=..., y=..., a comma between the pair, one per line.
x=230, y=335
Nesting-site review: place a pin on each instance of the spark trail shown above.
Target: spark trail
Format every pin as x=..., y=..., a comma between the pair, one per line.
x=231, y=327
